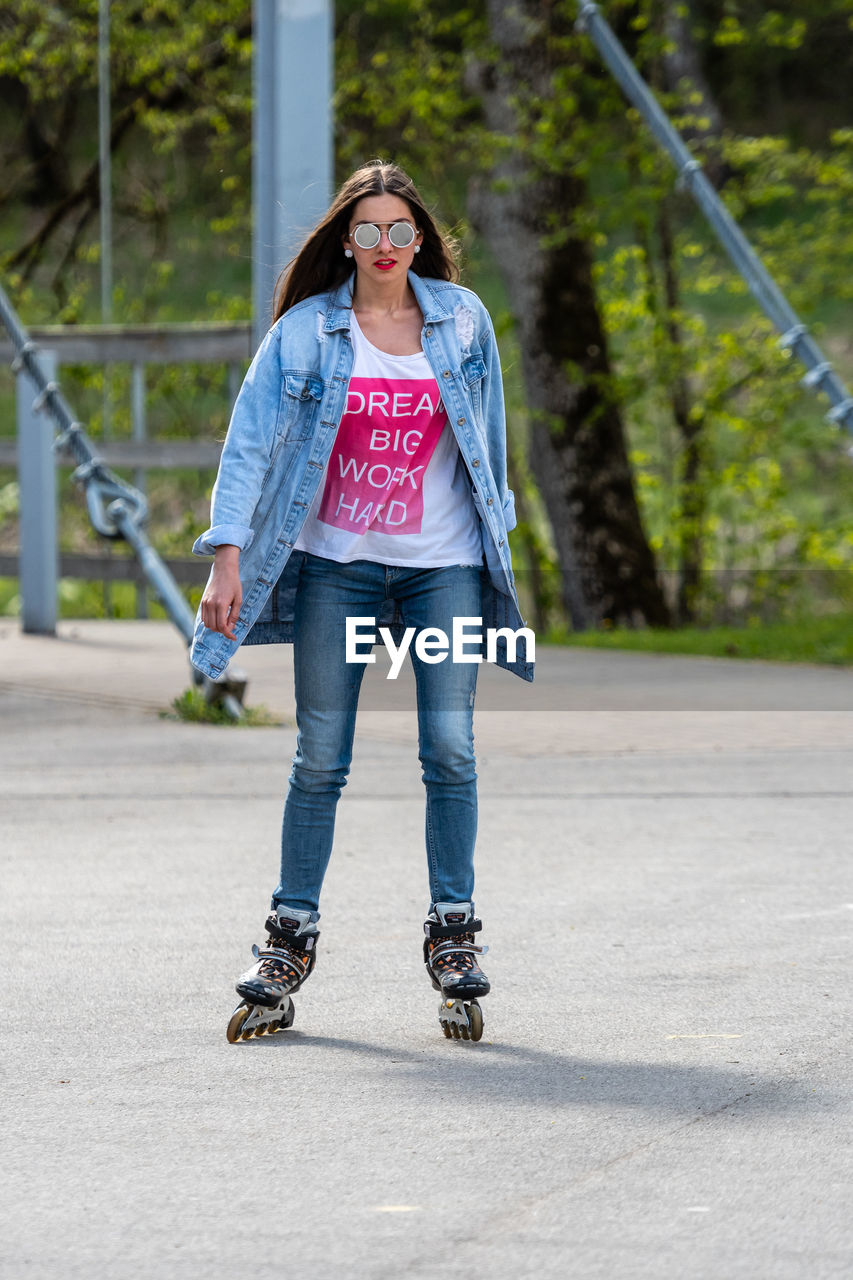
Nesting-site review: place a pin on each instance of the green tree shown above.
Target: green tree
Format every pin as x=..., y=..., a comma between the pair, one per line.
x=662, y=423
x=180, y=102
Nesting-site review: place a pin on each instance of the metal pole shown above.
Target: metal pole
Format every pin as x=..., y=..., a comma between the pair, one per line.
x=105, y=162
x=292, y=133
x=106, y=219
x=38, y=566
x=139, y=431
x=820, y=375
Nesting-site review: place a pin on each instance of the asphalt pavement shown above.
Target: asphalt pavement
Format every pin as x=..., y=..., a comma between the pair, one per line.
x=663, y=1086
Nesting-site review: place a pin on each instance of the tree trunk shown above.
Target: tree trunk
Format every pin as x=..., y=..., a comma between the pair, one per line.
x=682, y=74
x=692, y=496
x=578, y=451
x=680, y=71
x=682, y=68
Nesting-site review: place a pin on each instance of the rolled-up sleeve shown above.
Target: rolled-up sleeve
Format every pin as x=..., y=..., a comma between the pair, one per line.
x=247, y=452
x=221, y=535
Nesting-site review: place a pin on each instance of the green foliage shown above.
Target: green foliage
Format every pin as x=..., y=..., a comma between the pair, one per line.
x=827, y=640
x=776, y=479
x=193, y=708
x=785, y=69
x=82, y=599
x=400, y=89
x=766, y=506
x=734, y=465
x=181, y=110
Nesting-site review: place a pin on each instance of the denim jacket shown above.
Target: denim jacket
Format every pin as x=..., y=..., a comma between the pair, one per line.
x=281, y=435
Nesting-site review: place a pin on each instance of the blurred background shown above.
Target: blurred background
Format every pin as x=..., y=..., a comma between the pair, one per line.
x=676, y=485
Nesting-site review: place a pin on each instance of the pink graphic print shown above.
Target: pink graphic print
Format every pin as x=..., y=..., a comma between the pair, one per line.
x=387, y=436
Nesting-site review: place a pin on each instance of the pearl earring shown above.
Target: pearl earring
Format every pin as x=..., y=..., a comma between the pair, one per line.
x=347, y=253
x=417, y=248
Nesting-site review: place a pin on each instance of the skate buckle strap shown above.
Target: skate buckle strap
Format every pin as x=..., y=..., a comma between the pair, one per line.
x=448, y=945
x=301, y=941
x=434, y=930
x=306, y=943
x=288, y=955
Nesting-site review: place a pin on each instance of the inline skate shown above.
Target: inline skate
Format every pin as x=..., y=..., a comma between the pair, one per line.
x=283, y=964
x=450, y=958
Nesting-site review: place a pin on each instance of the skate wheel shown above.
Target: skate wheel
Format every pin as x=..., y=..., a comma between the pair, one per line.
x=475, y=1021
x=446, y=1029
x=235, y=1026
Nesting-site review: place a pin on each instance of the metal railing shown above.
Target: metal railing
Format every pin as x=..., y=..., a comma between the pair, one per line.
x=117, y=509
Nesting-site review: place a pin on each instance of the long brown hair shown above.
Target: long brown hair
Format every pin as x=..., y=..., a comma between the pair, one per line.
x=320, y=263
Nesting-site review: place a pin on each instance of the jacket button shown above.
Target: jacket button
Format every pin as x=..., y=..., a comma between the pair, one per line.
x=500, y=544
x=446, y=373
x=490, y=502
x=429, y=333
x=476, y=462
x=460, y=422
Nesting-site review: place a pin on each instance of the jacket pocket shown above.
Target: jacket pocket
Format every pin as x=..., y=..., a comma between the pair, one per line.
x=301, y=395
x=473, y=372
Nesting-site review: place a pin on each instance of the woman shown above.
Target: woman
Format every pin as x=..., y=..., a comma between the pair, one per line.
x=364, y=476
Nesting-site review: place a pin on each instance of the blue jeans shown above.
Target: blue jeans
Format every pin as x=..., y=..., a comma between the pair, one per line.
x=327, y=689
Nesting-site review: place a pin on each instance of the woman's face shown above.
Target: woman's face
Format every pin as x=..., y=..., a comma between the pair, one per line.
x=385, y=261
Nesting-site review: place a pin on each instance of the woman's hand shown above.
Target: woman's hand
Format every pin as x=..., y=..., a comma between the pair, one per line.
x=223, y=594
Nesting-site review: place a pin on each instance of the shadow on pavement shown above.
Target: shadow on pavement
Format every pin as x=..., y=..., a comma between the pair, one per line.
x=520, y=1076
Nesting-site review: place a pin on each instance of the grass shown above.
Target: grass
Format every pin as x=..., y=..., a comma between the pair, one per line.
x=827, y=641
x=81, y=599
x=193, y=708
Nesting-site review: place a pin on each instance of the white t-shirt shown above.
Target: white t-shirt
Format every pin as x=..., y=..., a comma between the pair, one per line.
x=395, y=489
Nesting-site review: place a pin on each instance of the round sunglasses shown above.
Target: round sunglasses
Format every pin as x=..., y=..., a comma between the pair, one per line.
x=367, y=234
